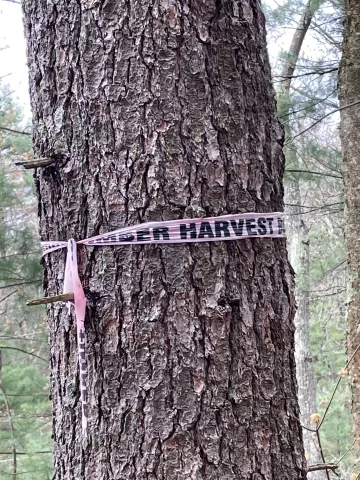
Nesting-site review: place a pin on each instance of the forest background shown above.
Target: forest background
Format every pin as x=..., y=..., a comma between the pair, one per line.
x=308, y=107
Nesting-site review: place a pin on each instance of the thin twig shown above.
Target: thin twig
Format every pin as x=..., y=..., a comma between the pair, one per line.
x=27, y=471
x=311, y=206
x=1, y=470
x=320, y=120
x=11, y=130
x=27, y=394
x=316, y=209
x=22, y=338
x=314, y=173
x=328, y=272
x=20, y=283
x=346, y=452
x=322, y=452
x=329, y=294
x=31, y=416
x=314, y=72
x=24, y=351
x=337, y=386
x=7, y=296
x=26, y=453
x=309, y=429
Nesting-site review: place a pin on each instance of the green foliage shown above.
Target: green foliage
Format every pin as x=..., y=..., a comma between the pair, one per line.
x=329, y=354
x=328, y=340
x=25, y=410
x=313, y=164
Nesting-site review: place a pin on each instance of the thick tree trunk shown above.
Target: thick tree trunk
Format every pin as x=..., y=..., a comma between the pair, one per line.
x=162, y=110
x=350, y=138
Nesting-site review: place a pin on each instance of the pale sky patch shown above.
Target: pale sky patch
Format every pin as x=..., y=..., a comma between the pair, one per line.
x=13, y=56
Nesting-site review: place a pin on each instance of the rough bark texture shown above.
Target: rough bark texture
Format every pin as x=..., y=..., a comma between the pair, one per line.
x=350, y=138
x=162, y=110
x=298, y=241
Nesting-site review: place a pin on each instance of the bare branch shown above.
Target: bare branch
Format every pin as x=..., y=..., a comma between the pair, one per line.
x=318, y=101
x=11, y=130
x=313, y=72
x=313, y=430
x=320, y=120
x=314, y=173
x=320, y=31
x=346, y=452
x=64, y=297
x=23, y=351
x=36, y=162
x=322, y=466
x=328, y=272
x=311, y=206
x=322, y=453
x=27, y=453
x=9, y=295
x=20, y=283
x=337, y=386
x=314, y=209
x=27, y=394
x=22, y=337
x=32, y=416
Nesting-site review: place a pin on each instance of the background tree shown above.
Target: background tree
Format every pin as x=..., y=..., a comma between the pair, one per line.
x=154, y=111
x=314, y=165
x=25, y=415
x=299, y=248
x=350, y=139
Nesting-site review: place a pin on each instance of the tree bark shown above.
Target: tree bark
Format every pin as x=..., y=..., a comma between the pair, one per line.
x=349, y=83
x=163, y=110
x=299, y=252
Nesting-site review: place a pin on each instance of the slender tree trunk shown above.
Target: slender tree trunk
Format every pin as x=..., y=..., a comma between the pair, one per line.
x=299, y=252
x=163, y=110
x=349, y=81
x=300, y=257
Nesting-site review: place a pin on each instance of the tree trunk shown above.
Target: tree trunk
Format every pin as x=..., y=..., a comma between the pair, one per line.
x=305, y=374
x=163, y=110
x=350, y=138
x=299, y=252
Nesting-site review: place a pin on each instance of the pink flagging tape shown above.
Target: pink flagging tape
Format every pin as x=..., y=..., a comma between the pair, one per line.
x=212, y=229
x=72, y=283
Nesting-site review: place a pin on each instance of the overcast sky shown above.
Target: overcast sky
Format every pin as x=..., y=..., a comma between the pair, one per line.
x=13, y=53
